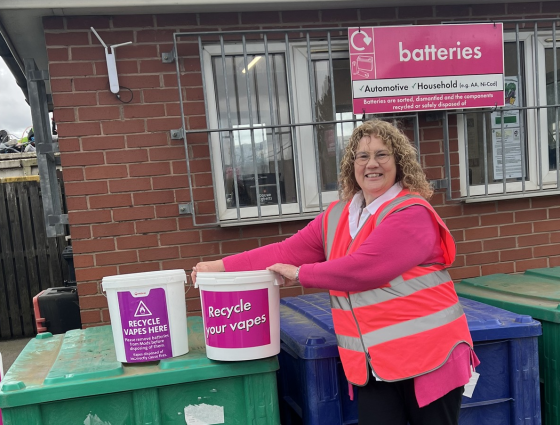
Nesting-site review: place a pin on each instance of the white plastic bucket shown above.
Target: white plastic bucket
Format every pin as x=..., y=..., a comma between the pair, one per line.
x=241, y=314
x=148, y=315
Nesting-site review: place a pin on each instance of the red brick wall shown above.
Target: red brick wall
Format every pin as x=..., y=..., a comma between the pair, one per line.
x=125, y=178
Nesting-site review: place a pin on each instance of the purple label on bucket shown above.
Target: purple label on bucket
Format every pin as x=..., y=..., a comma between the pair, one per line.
x=145, y=325
x=237, y=319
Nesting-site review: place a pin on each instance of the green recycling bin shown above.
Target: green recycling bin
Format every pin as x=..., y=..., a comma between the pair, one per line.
x=75, y=378
x=535, y=293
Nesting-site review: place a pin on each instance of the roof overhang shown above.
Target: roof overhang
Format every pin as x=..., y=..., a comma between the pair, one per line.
x=22, y=36
x=10, y=56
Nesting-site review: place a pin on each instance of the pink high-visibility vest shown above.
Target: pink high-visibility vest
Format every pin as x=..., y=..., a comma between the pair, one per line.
x=407, y=327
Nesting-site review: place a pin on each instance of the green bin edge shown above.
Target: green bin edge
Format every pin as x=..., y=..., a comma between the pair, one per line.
x=522, y=294
x=36, y=361
x=486, y=289
x=551, y=272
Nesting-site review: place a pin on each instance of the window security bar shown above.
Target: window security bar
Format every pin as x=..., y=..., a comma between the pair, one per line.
x=512, y=151
x=278, y=113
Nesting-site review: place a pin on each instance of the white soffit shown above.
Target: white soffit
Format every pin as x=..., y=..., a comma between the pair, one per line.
x=106, y=7
x=22, y=19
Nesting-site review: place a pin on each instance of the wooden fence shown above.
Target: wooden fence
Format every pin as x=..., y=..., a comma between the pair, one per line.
x=29, y=261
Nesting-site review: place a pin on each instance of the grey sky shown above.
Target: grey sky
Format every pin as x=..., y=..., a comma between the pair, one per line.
x=15, y=115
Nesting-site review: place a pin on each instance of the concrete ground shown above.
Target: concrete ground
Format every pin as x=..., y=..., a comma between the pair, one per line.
x=10, y=349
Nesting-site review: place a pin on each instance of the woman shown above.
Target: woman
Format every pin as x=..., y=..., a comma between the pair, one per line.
x=382, y=252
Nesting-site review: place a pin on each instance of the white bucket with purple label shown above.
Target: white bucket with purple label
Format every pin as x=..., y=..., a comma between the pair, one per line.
x=148, y=315
x=241, y=314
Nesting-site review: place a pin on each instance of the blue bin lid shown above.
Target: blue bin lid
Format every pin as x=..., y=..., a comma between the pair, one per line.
x=487, y=322
x=306, y=325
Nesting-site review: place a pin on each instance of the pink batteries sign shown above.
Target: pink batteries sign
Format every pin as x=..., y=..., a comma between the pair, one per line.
x=426, y=67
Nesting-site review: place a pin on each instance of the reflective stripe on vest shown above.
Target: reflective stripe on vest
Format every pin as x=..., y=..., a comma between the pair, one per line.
x=403, y=329
x=397, y=201
x=398, y=288
x=418, y=311
x=333, y=214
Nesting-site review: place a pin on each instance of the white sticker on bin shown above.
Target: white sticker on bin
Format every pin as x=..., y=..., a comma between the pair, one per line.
x=204, y=414
x=95, y=420
x=469, y=387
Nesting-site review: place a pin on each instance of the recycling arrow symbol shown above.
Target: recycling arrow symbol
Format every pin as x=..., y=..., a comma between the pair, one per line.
x=366, y=39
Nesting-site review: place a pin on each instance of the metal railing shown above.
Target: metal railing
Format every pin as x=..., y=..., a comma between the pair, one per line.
x=514, y=159
x=497, y=157
x=299, y=121
x=55, y=217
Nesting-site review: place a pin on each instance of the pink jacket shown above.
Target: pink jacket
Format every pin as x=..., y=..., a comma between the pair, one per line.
x=403, y=240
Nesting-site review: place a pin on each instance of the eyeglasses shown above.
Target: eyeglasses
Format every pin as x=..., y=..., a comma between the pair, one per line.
x=381, y=157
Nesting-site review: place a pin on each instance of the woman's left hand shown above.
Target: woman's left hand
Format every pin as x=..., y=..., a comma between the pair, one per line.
x=207, y=266
x=287, y=271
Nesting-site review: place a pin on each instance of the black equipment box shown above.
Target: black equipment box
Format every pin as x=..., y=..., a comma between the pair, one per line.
x=57, y=310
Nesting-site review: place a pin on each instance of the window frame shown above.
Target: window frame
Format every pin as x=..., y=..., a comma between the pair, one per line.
x=303, y=112
x=549, y=177
x=535, y=120
x=224, y=213
x=306, y=181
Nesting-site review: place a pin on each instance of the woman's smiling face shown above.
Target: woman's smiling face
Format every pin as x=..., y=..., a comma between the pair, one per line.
x=374, y=178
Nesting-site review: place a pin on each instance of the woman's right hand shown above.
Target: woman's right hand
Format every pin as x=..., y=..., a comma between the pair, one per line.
x=207, y=266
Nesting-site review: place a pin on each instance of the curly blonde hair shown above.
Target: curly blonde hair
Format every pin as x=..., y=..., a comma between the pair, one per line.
x=409, y=171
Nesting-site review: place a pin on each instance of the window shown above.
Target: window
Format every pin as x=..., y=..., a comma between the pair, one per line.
x=332, y=104
x=249, y=100
x=552, y=89
x=263, y=97
x=512, y=151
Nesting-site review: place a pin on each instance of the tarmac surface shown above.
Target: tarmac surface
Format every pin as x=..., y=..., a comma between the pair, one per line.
x=10, y=349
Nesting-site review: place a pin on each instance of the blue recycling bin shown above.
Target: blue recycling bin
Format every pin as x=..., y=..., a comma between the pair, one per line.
x=313, y=389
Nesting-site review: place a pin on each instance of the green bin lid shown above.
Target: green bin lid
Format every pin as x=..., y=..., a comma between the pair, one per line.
x=533, y=293
x=83, y=363
x=552, y=272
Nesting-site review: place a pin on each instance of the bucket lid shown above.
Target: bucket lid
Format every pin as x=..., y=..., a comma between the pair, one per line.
x=237, y=278
x=144, y=279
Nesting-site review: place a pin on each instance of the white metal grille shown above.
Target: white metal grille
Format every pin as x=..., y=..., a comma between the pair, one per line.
x=278, y=114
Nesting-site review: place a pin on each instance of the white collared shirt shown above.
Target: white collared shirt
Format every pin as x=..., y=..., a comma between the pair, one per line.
x=357, y=220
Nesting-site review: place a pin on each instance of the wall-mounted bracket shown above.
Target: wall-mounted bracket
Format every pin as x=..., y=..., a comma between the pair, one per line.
x=439, y=184
x=45, y=148
x=177, y=134
x=38, y=75
x=168, y=57
x=111, y=62
x=58, y=219
x=185, y=209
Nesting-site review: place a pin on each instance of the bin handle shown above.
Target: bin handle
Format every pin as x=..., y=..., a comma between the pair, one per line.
x=38, y=319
